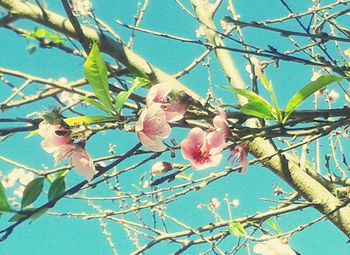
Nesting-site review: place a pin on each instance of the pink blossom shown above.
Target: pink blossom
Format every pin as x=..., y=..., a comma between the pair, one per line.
x=152, y=128
x=240, y=152
x=201, y=149
x=83, y=163
x=57, y=142
x=220, y=122
x=158, y=93
x=53, y=137
x=161, y=167
x=273, y=246
x=215, y=203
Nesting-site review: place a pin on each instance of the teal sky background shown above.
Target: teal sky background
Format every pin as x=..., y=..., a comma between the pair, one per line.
x=61, y=235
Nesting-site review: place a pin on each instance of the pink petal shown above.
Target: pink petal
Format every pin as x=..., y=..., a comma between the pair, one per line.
x=214, y=161
x=215, y=142
x=152, y=144
x=220, y=122
x=63, y=153
x=158, y=93
x=83, y=164
x=175, y=112
x=193, y=143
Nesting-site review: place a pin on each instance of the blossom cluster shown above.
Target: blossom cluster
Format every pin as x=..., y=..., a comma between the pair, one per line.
x=202, y=149
x=62, y=147
x=153, y=126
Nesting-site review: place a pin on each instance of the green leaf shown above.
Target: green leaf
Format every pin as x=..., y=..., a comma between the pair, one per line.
x=124, y=95
x=236, y=229
x=96, y=73
x=250, y=95
x=258, y=110
x=98, y=105
x=274, y=226
x=40, y=33
x=268, y=86
x=88, y=120
x=4, y=205
x=32, y=191
x=57, y=188
x=307, y=91
x=23, y=214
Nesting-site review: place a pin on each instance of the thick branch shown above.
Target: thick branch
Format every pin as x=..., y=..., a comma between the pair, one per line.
x=282, y=164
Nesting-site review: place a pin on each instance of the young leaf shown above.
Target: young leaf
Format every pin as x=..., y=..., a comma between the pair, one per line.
x=96, y=73
x=32, y=191
x=4, y=205
x=23, y=214
x=124, y=95
x=87, y=120
x=258, y=110
x=57, y=188
x=98, y=105
x=268, y=86
x=236, y=229
x=274, y=226
x=307, y=91
x=250, y=95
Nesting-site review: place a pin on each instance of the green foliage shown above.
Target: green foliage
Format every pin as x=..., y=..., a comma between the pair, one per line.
x=32, y=191
x=57, y=188
x=124, y=95
x=257, y=106
x=236, y=229
x=259, y=110
x=21, y=215
x=4, y=205
x=41, y=33
x=307, y=91
x=98, y=105
x=274, y=226
x=96, y=73
x=87, y=120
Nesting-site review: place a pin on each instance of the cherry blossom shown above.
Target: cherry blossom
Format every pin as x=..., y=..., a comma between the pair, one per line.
x=315, y=76
x=83, y=163
x=274, y=246
x=69, y=98
x=152, y=128
x=161, y=167
x=203, y=150
x=240, y=153
x=220, y=122
x=332, y=96
x=158, y=93
x=60, y=145
x=81, y=7
x=215, y=203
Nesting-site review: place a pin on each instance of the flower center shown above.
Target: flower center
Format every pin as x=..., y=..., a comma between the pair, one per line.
x=203, y=155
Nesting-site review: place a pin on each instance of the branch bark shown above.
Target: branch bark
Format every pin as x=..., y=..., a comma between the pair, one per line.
x=282, y=165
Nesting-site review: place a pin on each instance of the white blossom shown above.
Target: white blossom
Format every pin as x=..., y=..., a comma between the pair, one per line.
x=81, y=7
x=274, y=246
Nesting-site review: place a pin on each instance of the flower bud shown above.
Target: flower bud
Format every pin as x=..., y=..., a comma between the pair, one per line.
x=161, y=167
